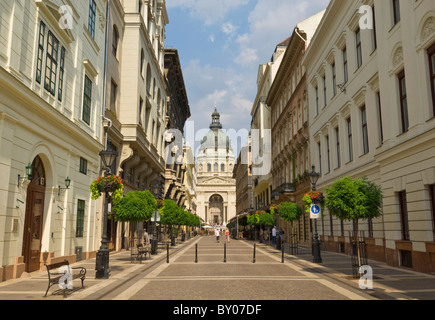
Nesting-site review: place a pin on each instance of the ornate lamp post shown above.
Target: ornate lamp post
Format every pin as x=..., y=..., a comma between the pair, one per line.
x=314, y=177
x=108, y=157
x=156, y=189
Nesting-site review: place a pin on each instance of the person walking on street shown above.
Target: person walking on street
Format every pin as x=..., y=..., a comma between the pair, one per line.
x=227, y=235
x=217, y=234
x=274, y=235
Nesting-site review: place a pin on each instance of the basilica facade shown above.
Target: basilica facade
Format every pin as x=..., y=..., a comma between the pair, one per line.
x=216, y=188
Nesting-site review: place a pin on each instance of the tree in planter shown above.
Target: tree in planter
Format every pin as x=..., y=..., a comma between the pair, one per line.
x=169, y=214
x=289, y=212
x=136, y=206
x=254, y=220
x=350, y=199
x=267, y=219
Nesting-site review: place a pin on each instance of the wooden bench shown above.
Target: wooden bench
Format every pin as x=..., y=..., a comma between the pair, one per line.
x=61, y=275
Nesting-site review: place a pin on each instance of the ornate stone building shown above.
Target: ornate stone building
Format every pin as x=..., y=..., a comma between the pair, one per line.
x=51, y=90
x=136, y=97
x=289, y=109
x=371, y=98
x=216, y=188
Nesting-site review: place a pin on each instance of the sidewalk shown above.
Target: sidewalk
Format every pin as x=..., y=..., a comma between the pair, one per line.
x=34, y=286
x=389, y=283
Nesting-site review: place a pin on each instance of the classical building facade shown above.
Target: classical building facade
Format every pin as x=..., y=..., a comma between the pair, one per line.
x=289, y=115
x=178, y=112
x=136, y=97
x=242, y=174
x=371, y=113
x=216, y=188
x=51, y=71
x=261, y=131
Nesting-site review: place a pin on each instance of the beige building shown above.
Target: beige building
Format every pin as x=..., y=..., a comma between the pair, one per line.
x=261, y=131
x=371, y=108
x=136, y=97
x=289, y=114
x=51, y=90
x=190, y=179
x=216, y=188
x=242, y=174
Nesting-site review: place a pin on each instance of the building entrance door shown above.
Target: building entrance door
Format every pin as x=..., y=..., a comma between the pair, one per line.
x=32, y=234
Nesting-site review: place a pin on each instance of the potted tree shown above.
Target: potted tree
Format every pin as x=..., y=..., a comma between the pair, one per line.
x=290, y=212
x=352, y=200
x=135, y=207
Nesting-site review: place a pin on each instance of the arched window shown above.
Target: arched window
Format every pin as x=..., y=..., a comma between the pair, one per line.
x=216, y=167
x=209, y=167
x=222, y=167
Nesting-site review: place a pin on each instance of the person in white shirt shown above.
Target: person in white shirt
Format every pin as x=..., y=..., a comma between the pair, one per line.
x=217, y=234
x=274, y=235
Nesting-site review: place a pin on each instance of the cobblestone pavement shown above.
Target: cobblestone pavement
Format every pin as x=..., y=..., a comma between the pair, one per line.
x=228, y=271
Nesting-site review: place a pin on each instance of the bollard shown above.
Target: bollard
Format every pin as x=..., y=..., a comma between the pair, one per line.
x=225, y=252
x=196, y=253
x=167, y=253
x=253, y=260
x=282, y=250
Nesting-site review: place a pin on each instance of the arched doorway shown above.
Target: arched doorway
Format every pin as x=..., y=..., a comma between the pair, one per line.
x=32, y=234
x=216, y=205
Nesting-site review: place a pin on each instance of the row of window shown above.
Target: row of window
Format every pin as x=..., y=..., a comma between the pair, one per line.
x=403, y=212
x=53, y=55
x=404, y=118
x=215, y=167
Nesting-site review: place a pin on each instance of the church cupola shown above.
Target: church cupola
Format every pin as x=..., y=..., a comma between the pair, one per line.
x=216, y=120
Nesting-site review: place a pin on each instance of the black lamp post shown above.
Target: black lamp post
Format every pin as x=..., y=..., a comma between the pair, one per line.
x=108, y=157
x=314, y=177
x=156, y=191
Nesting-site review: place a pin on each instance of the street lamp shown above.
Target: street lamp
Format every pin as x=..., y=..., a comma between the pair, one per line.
x=156, y=190
x=108, y=157
x=314, y=177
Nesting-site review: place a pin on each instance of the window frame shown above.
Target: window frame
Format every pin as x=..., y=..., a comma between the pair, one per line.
x=396, y=12
x=92, y=18
x=364, y=128
x=51, y=63
x=403, y=101
x=345, y=65
x=349, y=138
x=40, y=61
x=83, y=167
x=404, y=218
x=358, y=45
x=87, y=100
x=80, y=221
x=61, y=73
x=431, y=55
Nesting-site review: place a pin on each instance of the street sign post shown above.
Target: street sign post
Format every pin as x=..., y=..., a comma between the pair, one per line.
x=315, y=211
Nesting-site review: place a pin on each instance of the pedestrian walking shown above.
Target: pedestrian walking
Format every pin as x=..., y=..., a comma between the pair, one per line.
x=217, y=234
x=227, y=235
x=274, y=235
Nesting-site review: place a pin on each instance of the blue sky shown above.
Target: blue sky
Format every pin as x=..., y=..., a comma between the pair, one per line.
x=221, y=44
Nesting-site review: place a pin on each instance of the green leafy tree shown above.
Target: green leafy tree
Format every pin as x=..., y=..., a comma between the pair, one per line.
x=136, y=206
x=289, y=212
x=350, y=199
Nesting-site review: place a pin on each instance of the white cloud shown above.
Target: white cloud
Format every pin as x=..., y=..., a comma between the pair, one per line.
x=208, y=11
x=228, y=28
x=271, y=22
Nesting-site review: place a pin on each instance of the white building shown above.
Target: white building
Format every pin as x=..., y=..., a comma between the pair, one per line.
x=261, y=130
x=51, y=88
x=216, y=188
x=371, y=99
